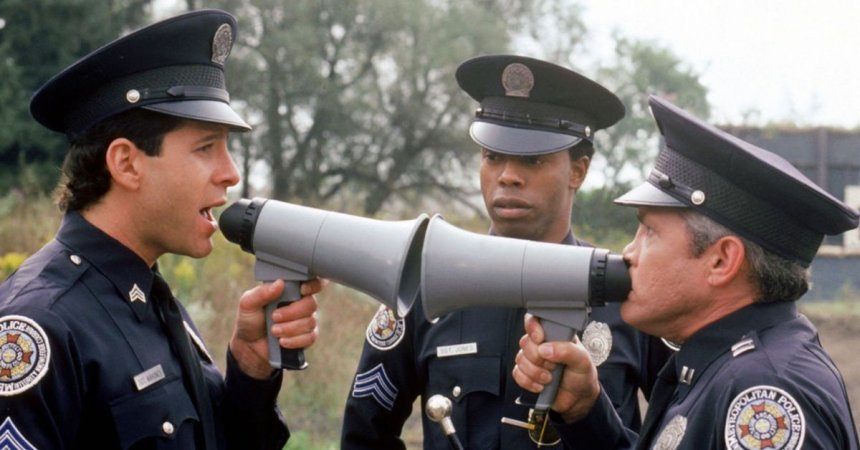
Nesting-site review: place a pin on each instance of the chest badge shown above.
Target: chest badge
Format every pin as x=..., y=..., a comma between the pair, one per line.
x=24, y=354
x=764, y=417
x=597, y=339
x=136, y=294
x=671, y=436
x=385, y=330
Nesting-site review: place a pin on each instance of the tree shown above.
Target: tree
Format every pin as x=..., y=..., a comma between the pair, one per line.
x=37, y=40
x=627, y=150
x=356, y=100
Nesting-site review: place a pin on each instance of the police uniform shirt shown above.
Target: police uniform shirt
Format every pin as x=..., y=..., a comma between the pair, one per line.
x=756, y=379
x=468, y=356
x=86, y=362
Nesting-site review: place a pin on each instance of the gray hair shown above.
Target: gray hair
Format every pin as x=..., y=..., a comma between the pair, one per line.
x=777, y=278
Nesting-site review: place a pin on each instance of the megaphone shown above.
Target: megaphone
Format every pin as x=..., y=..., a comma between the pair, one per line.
x=295, y=243
x=556, y=283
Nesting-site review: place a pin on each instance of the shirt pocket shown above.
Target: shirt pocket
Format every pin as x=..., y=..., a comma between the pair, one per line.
x=156, y=412
x=459, y=376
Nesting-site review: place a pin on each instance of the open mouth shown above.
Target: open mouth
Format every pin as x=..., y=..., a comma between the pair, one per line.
x=207, y=214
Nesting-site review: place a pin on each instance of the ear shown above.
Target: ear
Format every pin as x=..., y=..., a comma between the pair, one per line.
x=578, y=171
x=123, y=160
x=725, y=259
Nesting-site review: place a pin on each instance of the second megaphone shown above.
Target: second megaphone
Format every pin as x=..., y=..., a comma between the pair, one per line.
x=556, y=283
x=294, y=243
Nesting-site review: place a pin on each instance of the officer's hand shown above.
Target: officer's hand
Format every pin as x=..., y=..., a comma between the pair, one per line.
x=579, y=388
x=295, y=325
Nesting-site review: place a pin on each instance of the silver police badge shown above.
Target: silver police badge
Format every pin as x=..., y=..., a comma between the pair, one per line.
x=597, y=339
x=385, y=329
x=518, y=80
x=671, y=436
x=221, y=44
x=25, y=354
x=764, y=417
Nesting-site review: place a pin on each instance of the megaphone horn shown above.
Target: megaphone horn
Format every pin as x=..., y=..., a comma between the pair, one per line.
x=461, y=269
x=294, y=243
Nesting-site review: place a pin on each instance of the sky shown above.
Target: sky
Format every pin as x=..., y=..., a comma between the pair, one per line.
x=761, y=60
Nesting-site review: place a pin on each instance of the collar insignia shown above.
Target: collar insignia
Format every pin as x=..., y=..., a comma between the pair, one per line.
x=136, y=294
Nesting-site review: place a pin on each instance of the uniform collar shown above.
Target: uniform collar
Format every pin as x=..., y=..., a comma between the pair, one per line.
x=131, y=276
x=728, y=333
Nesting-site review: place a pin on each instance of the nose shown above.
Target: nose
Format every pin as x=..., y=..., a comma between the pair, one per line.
x=629, y=251
x=228, y=173
x=511, y=175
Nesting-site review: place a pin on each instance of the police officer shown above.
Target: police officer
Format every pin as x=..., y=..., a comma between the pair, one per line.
x=96, y=352
x=535, y=126
x=726, y=233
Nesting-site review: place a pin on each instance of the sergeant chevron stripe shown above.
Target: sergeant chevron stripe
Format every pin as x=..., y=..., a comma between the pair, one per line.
x=11, y=438
x=375, y=383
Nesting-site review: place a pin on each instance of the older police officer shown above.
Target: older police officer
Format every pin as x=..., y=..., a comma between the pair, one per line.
x=535, y=126
x=726, y=232
x=96, y=352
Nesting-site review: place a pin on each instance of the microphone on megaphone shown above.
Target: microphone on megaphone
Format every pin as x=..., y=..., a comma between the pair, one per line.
x=296, y=243
x=556, y=283
x=438, y=409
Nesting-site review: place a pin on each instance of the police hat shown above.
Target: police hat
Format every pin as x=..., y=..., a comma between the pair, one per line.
x=747, y=189
x=173, y=67
x=532, y=107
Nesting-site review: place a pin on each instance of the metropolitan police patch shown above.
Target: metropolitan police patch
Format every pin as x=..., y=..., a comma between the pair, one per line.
x=764, y=417
x=386, y=329
x=24, y=354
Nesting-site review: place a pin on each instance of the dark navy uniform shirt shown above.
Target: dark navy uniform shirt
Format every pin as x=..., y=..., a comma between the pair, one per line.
x=468, y=356
x=85, y=362
x=756, y=379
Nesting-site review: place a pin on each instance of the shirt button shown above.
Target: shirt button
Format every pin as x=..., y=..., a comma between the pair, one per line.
x=168, y=428
x=456, y=391
x=76, y=260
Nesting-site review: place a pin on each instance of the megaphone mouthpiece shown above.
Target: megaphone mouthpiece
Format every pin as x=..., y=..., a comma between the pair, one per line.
x=238, y=221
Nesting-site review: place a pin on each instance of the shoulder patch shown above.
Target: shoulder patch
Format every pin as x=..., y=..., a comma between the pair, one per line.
x=376, y=384
x=597, y=339
x=11, y=437
x=24, y=354
x=385, y=330
x=764, y=417
x=671, y=436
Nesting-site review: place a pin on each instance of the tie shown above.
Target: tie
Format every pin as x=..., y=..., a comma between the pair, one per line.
x=192, y=375
x=661, y=396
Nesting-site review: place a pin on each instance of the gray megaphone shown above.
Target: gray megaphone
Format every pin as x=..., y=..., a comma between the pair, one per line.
x=556, y=283
x=295, y=243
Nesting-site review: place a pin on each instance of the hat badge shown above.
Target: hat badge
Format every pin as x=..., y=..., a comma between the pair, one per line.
x=518, y=80
x=222, y=42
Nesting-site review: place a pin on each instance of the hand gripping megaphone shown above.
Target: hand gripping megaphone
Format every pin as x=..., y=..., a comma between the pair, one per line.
x=295, y=243
x=556, y=283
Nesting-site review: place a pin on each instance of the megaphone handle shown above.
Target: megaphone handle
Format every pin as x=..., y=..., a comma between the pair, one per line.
x=553, y=332
x=279, y=357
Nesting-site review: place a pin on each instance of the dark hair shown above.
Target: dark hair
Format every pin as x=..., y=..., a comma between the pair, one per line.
x=85, y=177
x=777, y=278
x=582, y=148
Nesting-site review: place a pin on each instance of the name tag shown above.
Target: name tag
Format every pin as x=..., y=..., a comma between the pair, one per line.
x=457, y=349
x=148, y=377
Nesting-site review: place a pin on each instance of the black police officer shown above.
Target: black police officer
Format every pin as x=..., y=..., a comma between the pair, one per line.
x=535, y=126
x=96, y=352
x=726, y=233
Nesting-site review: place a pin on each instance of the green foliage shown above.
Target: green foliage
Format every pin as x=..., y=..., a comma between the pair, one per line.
x=37, y=40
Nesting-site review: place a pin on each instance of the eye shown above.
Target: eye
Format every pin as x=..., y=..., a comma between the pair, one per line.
x=205, y=148
x=490, y=156
x=532, y=160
